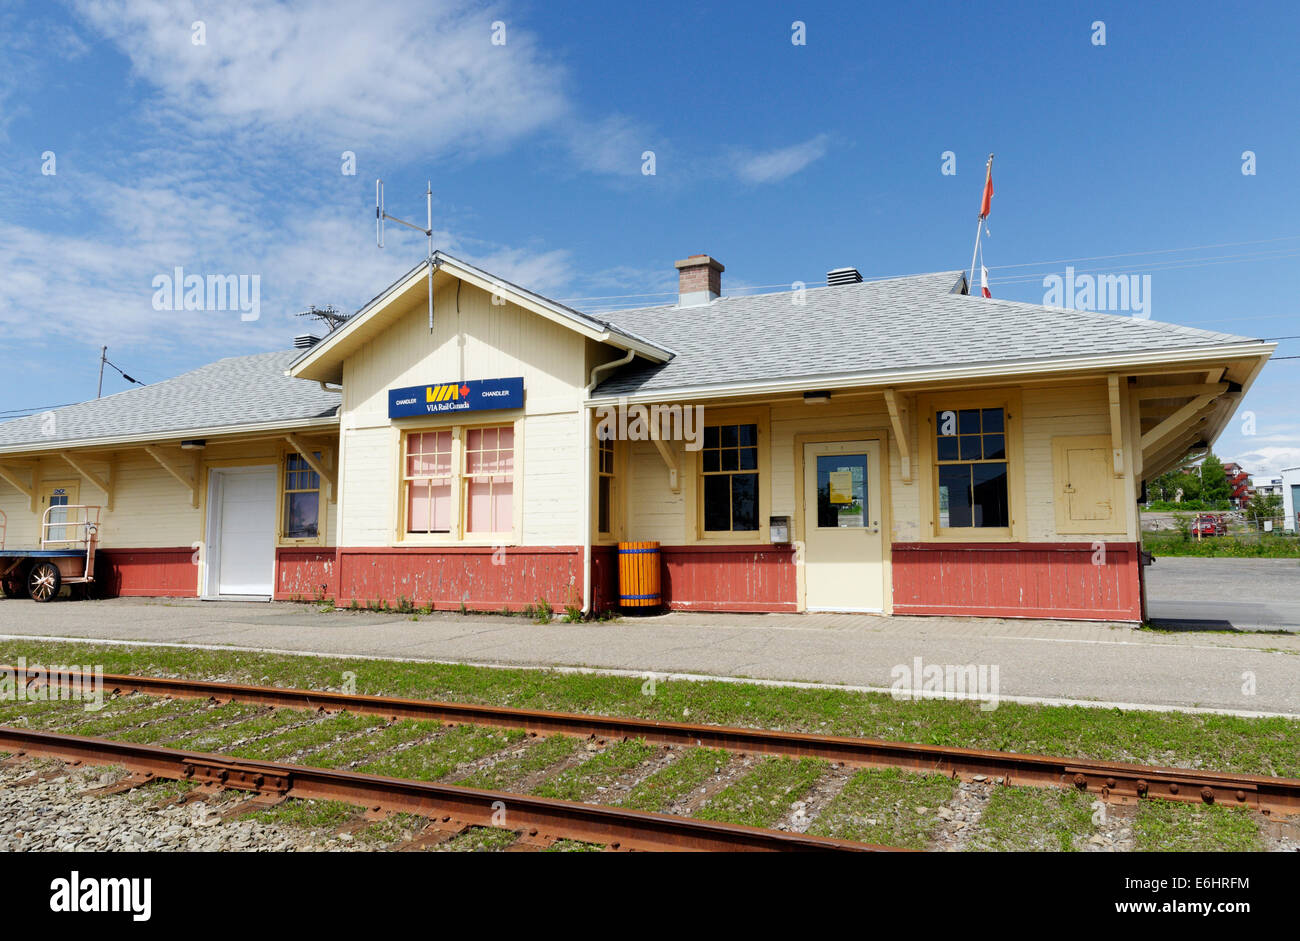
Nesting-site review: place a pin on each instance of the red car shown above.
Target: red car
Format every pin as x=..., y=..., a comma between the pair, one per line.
x=1209, y=526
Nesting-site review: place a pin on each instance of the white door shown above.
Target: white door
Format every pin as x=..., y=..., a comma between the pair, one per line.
x=843, y=551
x=243, y=508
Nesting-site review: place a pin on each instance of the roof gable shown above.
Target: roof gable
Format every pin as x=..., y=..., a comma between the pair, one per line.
x=324, y=361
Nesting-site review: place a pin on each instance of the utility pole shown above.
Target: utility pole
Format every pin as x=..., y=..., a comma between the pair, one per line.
x=103, y=355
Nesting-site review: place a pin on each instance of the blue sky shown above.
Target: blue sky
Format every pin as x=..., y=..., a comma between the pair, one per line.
x=781, y=160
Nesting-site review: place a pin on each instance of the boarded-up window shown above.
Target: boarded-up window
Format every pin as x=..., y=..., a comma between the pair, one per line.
x=1088, y=485
x=1087, y=494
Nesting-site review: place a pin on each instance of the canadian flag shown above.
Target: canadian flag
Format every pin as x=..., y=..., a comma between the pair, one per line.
x=984, y=281
x=987, y=202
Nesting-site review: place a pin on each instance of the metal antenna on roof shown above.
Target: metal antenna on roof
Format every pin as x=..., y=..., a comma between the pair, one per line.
x=381, y=215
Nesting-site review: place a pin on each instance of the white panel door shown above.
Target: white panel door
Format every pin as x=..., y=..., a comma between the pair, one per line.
x=246, y=554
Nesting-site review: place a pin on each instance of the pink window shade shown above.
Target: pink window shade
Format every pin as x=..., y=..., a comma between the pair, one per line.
x=429, y=490
x=489, y=465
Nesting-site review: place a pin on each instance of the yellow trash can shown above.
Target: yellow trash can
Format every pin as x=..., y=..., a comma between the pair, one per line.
x=638, y=575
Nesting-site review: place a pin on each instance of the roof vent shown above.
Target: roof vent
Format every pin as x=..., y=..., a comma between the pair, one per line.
x=843, y=276
x=305, y=341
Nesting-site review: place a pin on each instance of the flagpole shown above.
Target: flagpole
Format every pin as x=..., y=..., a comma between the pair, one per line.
x=979, y=223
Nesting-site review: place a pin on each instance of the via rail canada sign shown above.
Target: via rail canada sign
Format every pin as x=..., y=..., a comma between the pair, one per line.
x=472, y=396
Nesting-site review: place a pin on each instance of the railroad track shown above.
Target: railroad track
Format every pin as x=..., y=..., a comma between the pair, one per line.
x=1114, y=782
x=539, y=821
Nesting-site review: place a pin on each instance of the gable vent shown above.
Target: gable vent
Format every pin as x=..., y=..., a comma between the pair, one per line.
x=305, y=341
x=843, y=276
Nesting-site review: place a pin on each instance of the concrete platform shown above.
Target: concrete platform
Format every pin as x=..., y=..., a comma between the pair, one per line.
x=1050, y=661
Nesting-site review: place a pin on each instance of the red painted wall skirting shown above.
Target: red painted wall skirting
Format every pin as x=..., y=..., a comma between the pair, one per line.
x=162, y=573
x=1023, y=579
x=730, y=578
x=305, y=573
x=481, y=578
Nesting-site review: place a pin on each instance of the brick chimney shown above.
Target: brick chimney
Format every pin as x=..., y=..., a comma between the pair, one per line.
x=699, y=280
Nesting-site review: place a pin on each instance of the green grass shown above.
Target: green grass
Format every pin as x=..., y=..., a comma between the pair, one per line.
x=764, y=795
x=573, y=846
x=1230, y=547
x=25, y=710
x=881, y=806
x=395, y=828
x=188, y=724
x=479, y=840
x=1034, y=819
x=1165, y=826
x=676, y=780
x=259, y=725
x=1227, y=743
x=444, y=754
x=582, y=781
x=307, y=738
x=310, y=814
x=511, y=772
x=159, y=710
x=371, y=743
x=159, y=790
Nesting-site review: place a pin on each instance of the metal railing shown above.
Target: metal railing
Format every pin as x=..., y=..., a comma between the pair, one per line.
x=62, y=526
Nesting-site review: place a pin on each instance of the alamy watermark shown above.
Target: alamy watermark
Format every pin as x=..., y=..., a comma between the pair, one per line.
x=623, y=422
x=181, y=291
x=917, y=681
x=1127, y=293
x=56, y=683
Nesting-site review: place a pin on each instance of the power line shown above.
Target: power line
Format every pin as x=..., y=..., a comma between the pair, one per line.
x=1155, y=251
x=23, y=412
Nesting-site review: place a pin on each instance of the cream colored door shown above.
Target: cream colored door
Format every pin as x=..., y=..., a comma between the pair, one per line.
x=843, y=548
x=56, y=497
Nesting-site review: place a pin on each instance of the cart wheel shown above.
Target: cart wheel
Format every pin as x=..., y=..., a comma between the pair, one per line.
x=44, y=581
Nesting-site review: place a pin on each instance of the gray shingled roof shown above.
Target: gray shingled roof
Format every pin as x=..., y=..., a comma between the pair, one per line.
x=239, y=390
x=878, y=326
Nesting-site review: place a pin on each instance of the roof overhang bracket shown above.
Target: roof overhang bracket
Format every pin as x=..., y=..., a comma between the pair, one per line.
x=1116, y=425
x=1171, y=425
x=674, y=476
x=7, y=473
x=900, y=418
x=315, y=464
x=1179, y=392
x=191, y=481
x=103, y=483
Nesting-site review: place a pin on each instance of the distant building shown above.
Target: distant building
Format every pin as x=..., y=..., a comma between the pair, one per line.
x=1272, y=487
x=1290, y=484
x=1239, y=482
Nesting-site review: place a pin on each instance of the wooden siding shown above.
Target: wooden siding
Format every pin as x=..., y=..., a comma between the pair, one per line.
x=462, y=575
x=151, y=508
x=730, y=578
x=161, y=573
x=305, y=574
x=1033, y=580
x=472, y=339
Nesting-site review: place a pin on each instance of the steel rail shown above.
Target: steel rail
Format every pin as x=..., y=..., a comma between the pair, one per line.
x=540, y=820
x=1116, y=782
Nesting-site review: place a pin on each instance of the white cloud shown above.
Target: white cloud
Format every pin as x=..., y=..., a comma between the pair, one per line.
x=403, y=72
x=1263, y=463
x=774, y=165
